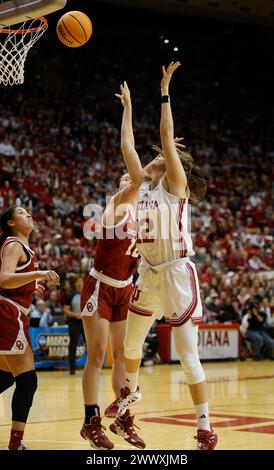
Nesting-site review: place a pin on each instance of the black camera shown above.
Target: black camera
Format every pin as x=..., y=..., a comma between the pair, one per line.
x=253, y=303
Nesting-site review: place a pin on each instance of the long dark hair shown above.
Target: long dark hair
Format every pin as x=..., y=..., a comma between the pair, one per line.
x=5, y=227
x=196, y=180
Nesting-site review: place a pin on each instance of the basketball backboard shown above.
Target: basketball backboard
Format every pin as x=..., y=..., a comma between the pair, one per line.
x=18, y=11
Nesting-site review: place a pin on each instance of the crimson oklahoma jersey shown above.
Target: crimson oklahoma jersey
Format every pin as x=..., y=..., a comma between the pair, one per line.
x=21, y=295
x=14, y=306
x=108, y=287
x=116, y=252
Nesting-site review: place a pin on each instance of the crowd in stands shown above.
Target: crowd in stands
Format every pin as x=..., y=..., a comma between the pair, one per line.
x=59, y=151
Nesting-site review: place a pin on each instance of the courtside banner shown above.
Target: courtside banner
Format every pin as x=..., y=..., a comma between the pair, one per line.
x=50, y=347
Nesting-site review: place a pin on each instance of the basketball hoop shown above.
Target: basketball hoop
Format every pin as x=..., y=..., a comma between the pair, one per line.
x=14, y=49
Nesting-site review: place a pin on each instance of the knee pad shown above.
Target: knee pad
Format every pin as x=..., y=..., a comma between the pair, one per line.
x=133, y=351
x=193, y=369
x=6, y=380
x=26, y=385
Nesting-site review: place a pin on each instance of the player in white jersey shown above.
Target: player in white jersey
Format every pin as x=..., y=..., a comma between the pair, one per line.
x=167, y=282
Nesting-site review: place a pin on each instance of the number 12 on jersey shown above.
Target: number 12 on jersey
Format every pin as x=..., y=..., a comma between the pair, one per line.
x=132, y=250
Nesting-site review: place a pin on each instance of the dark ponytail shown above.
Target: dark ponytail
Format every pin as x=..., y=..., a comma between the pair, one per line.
x=5, y=227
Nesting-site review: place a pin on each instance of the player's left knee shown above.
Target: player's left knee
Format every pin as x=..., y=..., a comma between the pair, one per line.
x=133, y=347
x=132, y=352
x=193, y=370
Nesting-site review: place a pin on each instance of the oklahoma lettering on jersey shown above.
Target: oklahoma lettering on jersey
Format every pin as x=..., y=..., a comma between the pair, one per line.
x=22, y=295
x=162, y=225
x=116, y=252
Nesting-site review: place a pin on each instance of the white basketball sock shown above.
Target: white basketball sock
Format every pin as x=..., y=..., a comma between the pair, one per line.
x=202, y=416
x=132, y=380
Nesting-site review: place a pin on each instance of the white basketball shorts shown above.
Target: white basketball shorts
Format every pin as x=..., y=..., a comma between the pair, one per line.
x=170, y=289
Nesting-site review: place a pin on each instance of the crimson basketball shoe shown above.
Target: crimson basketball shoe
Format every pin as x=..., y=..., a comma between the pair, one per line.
x=206, y=440
x=128, y=399
x=124, y=426
x=112, y=410
x=20, y=447
x=94, y=433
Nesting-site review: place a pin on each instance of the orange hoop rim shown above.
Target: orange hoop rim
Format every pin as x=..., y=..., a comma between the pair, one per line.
x=28, y=31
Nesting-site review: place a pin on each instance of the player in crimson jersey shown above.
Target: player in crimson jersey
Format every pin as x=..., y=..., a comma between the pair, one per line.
x=18, y=281
x=104, y=305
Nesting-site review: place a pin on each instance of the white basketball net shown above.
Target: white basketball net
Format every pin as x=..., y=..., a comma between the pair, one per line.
x=14, y=49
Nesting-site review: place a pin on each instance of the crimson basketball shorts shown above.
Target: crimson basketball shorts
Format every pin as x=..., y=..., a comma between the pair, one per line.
x=14, y=329
x=171, y=290
x=111, y=302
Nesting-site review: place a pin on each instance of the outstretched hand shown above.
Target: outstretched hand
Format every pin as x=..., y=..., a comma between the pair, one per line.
x=167, y=74
x=125, y=95
x=177, y=141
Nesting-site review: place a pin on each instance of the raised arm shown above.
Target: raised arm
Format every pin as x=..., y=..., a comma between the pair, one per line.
x=175, y=174
x=130, y=155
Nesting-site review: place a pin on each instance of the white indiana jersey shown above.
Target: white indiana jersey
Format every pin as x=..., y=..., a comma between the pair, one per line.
x=162, y=225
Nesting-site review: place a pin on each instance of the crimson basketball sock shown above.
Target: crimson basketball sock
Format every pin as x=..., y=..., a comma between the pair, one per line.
x=90, y=411
x=132, y=380
x=15, y=439
x=202, y=416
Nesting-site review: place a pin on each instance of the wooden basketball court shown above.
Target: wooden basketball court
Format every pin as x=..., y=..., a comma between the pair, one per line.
x=241, y=399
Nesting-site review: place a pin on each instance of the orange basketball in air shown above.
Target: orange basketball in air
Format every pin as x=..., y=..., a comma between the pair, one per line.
x=74, y=29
